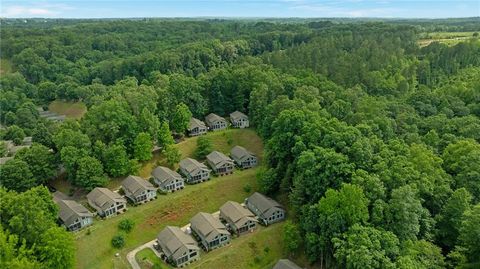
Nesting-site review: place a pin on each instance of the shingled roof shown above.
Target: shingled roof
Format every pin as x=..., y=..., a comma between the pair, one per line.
x=136, y=185
x=103, y=198
x=70, y=211
x=286, y=264
x=237, y=115
x=263, y=203
x=165, y=175
x=174, y=242
x=194, y=123
x=218, y=159
x=240, y=153
x=207, y=226
x=191, y=165
x=211, y=118
x=236, y=213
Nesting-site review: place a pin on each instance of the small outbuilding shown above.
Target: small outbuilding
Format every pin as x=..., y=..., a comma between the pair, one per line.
x=106, y=202
x=286, y=264
x=196, y=127
x=266, y=209
x=138, y=190
x=239, y=120
x=194, y=171
x=177, y=247
x=167, y=179
x=74, y=215
x=215, y=122
x=243, y=158
x=220, y=163
x=239, y=219
x=210, y=231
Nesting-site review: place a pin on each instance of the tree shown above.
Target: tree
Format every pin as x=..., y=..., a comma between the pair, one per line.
x=118, y=241
x=420, y=254
x=40, y=161
x=70, y=156
x=56, y=249
x=173, y=155
x=16, y=175
x=69, y=137
x=204, y=147
x=90, y=173
x=42, y=136
x=126, y=225
x=469, y=235
x=115, y=160
x=164, y=136
x=291, y=237
x=16, y=134
x=181, y=118
x=15, y=254
x=366, y=247
x=143, y=146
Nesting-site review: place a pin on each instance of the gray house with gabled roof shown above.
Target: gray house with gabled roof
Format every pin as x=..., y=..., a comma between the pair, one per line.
x=210, y=231
x=220, y=163
x=239, y=120
x=266, y=209
x=286, y=264
x=196, y=127
x=167, y=179
x=239, y=219
x=106, y=202
x=194, y=171
x=178, y=248
x=243, y=158
x=138, y=190
x=74, y=215
x=215, y=122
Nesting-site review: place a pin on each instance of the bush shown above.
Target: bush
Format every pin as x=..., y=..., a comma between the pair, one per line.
x=204, y=147
x=126, y=225
x=118, y=241
x=266, y=249
x=247, y=188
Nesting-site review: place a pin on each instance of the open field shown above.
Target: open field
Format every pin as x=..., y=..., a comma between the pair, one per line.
x=448, y=38
x=171, y=209
x=74, y=110
x=5, y=66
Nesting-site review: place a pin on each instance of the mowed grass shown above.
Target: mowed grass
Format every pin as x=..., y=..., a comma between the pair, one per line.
x=448, y=38
x=147, y=259
x=74, y=110
x=94, y=249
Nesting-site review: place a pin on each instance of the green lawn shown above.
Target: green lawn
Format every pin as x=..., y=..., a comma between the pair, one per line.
x=147, y=259
x=74, y=110
x=94, y=250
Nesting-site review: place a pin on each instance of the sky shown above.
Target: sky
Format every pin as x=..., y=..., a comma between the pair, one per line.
x=239, y=8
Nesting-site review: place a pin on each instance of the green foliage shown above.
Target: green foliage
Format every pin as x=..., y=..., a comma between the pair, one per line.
x=56, y=249
x=118, y=241
x=291, y=237
x=173, y=155
x=115, y=160
x=90, y=173
x=40, y=161
x=126, y=225
x=143, y=146
x=204, y=147
x=469, y=231
x=16, y=175
x=164, y=136
x=181, y=118
x=16, y=134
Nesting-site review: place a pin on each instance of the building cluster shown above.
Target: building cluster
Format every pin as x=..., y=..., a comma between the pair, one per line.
x=213, y=122
x=210, y=231
x=50, y=115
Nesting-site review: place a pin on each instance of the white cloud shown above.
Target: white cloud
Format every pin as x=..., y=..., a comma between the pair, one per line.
x=34, y=10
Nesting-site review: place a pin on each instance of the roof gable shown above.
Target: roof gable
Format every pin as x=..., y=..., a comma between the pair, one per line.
x=208, y=226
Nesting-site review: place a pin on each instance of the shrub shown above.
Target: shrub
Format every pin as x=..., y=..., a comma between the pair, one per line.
x=204, y=147
x=118, y=241
x=247, y=188
x=126, y=225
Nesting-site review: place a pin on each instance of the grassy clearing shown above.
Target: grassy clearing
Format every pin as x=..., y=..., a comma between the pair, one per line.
x=448, y=38
x=74, y=110
x=5, y=66
x=147, y=259
x=94, y=249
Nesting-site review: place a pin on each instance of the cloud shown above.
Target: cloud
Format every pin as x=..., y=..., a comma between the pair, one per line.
x=326, y=10
x=34, y=10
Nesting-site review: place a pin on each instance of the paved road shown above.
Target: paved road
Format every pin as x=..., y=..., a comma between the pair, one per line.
x=131, y=255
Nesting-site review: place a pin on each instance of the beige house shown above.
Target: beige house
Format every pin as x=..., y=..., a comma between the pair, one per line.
x=243, y=158
x=196, y=127
x=210, y=231
x=266, y=209
x=215, y=122
x=167, y=179
x=138, y=190
x=74, y=215
x=239, y=120
x=220, y=163
x=194, y=171
x=239, y=219
x=106, y=202
x=177, y=247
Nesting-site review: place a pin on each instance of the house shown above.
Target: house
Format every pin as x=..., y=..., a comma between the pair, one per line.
x=178, y=248
x=196, y=127
x=238, y=219
x=215, y=122
x=167, y=179
x=74, y=215
x=243, y=158
x=239, y=120
x=27, y=141
x=138, y=189
x=266, y=209
x=4, y=160
x=50, y=115
x=106, y=202
x=220, y=163
x=194, y=171
x=209, y=230
x=286, y=264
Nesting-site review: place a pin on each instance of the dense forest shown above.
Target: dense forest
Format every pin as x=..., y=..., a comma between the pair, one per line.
x=372, y=141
